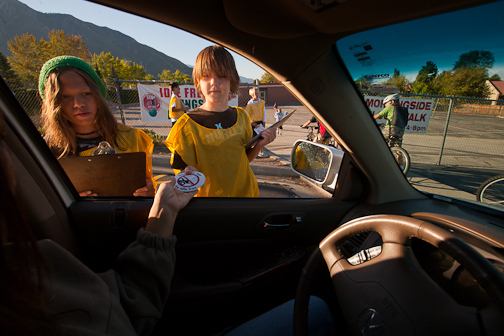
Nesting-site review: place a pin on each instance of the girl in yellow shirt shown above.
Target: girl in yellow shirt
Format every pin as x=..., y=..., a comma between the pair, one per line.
x=213, y=137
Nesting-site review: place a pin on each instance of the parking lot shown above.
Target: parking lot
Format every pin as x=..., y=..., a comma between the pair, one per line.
x=473, y=149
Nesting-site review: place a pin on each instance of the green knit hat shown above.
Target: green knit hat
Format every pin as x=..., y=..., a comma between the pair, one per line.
x=71, y=61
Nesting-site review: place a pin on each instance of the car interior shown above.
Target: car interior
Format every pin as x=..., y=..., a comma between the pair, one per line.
x=386, y=257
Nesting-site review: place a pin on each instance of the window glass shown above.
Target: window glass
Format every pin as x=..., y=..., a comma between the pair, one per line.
x=447, y=71
x=136, y=59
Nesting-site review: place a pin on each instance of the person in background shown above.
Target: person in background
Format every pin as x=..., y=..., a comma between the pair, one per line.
x=213, y=137
x=397, y=119
x=278, y=116
x=76, y=116
x=323, y=136
x=177, y=108
x=256, y=108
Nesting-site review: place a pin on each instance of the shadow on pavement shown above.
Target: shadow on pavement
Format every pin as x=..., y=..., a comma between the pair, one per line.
x=461, y=178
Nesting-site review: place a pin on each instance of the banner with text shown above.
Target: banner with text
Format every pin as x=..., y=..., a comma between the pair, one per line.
x=155, y=100
x=419, y=111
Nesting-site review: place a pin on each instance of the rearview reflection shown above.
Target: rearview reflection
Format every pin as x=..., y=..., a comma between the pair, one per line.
x=312, y=161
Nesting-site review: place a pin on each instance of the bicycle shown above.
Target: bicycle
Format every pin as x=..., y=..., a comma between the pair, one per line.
x=312, y=135
x=400, y=154
x=492, y=191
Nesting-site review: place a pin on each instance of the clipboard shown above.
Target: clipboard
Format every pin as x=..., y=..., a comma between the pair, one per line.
x=277, y=124
x=107, y=175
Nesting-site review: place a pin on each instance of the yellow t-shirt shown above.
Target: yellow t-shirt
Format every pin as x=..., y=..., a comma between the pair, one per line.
x=132, y=140
x=218, y=153
x=256, y=110
x=178, y=104
x=300, y=161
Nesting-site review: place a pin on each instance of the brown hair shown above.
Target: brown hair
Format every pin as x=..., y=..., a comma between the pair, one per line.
x=219, y=60
x=59, y=134
x=174, y=85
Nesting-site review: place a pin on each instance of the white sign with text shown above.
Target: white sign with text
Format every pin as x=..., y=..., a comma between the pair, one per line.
x=155, y=100
x=419, y=111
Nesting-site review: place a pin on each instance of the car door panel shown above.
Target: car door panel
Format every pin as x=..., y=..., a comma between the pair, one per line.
x=104, y=227
x=223, y=261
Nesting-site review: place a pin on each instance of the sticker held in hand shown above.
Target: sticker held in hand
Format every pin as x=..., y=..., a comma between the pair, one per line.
x=188, y=183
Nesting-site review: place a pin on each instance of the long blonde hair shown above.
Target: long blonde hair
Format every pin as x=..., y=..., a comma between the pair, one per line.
x=59, y=135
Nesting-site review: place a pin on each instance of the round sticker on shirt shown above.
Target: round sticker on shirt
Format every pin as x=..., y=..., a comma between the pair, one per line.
x=191, y=182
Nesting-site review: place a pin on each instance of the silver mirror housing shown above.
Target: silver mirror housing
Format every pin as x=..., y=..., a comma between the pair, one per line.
x=318, y=163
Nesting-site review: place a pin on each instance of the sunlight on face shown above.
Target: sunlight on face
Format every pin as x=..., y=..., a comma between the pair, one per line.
x=215, y=88
x=77, y=101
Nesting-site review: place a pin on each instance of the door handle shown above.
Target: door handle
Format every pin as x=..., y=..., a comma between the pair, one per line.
x=268, y=225
x=281, y=221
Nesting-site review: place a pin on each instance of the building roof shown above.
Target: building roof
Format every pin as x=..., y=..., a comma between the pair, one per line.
x=498, y=85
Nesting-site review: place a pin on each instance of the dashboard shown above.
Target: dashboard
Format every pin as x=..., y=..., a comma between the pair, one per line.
x=443, y=269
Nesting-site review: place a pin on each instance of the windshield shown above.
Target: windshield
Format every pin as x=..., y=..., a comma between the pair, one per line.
x=447, y=70
x=130, y=66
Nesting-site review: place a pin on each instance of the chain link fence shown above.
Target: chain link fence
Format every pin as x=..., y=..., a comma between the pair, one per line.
x=124, y=100
x=461, y=132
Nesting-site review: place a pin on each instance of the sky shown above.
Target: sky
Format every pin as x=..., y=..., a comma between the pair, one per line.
x=440, y=39
x=143, y=31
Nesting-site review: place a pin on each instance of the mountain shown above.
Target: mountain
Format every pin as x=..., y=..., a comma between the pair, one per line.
x=17, y=18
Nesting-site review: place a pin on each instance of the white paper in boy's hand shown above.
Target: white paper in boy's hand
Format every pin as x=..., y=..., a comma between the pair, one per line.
x=259, y=129
x=190, y=182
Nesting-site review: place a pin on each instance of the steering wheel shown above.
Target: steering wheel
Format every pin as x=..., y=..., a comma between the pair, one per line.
x=391, y=294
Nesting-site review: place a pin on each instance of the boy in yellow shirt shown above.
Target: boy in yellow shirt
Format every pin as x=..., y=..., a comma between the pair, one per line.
x=177, y=108
x=256, y=108
x=213, y=137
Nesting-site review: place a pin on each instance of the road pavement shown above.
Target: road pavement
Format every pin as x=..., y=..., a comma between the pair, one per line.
x=459, y=167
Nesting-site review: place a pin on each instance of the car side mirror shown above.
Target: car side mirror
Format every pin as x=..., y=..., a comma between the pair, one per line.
x=318, y=163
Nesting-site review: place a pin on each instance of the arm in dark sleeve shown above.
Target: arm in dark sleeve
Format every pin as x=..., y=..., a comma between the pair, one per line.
x=142, y=279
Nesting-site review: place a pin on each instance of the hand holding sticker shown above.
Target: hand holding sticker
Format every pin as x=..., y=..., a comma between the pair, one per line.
x=189, y=182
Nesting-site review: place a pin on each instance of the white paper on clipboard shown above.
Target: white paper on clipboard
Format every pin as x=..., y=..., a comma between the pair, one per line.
x=277, y=124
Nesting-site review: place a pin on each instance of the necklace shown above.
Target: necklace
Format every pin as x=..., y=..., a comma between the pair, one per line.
x=86, y=133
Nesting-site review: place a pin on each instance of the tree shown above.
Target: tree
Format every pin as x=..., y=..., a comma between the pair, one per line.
x=177, y=76
x=28, y=54
x=67, y=44
x=6, y=71
x=363, y=83
x=463, y=82
x=475, y=59
x=110, y=68
x=106, y=65
x=268, y=78
x=426, y=75
x=494, y=77
x=129, y=70
x=400, y=82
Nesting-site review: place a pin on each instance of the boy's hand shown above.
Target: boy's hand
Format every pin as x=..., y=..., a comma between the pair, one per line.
x=267, y=136
x=146, y=191
x=87, y=193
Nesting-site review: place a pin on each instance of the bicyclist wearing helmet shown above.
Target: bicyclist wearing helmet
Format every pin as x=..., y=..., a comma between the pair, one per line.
x=397, y=118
